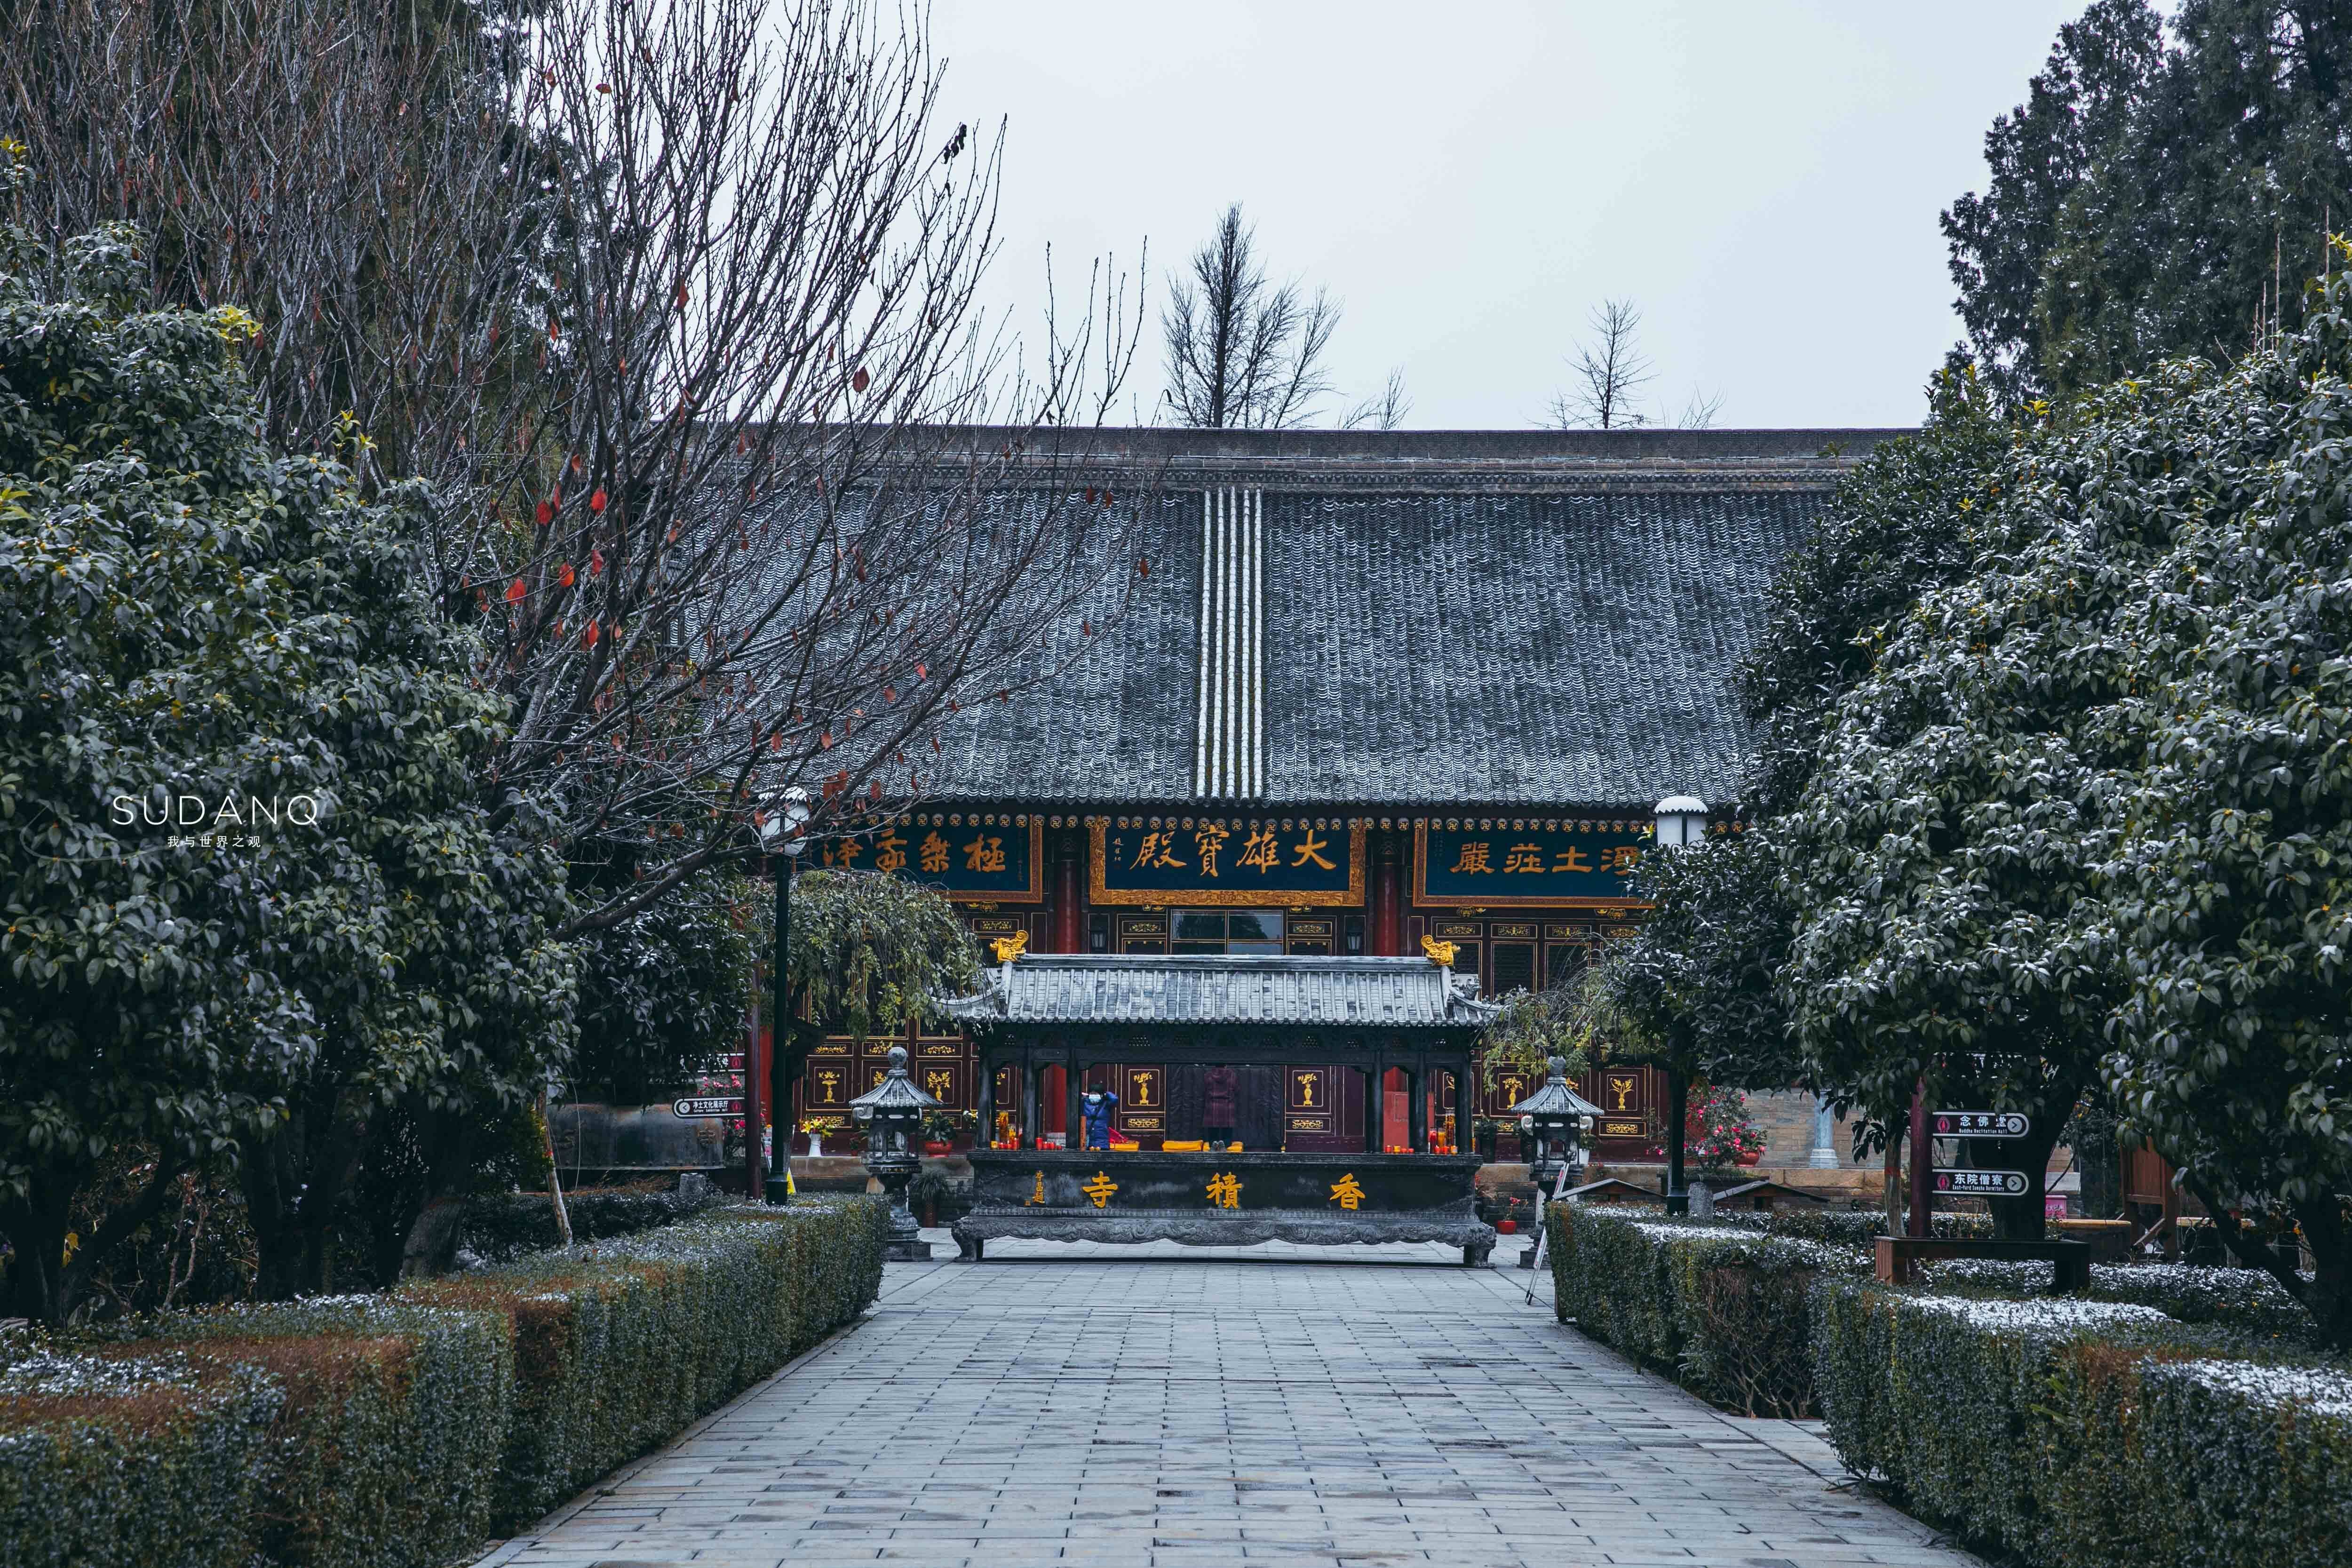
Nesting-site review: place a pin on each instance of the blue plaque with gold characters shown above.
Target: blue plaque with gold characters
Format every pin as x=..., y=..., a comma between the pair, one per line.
x=1591, y=864
x=998, y=863
x=1210, y=860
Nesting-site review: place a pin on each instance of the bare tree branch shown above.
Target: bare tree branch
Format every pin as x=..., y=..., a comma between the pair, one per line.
x=1699, y=413
x=1385, y=410
x=662, y=315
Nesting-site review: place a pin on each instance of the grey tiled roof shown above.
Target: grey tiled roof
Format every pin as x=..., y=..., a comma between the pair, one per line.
x=1086, y=988
x=1438, y=637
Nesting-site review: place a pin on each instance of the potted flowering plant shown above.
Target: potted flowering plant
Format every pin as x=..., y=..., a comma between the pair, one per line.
x=941, y=1129
x=817, y=1129
x=1717, y=1132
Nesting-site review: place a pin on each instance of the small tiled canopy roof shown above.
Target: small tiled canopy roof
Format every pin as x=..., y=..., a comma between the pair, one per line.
x=1510, y=618
x=1088, y=988
x=1556, y=1098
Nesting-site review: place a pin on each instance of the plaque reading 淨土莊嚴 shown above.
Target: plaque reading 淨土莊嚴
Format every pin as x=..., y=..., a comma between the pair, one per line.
x=1591, y=864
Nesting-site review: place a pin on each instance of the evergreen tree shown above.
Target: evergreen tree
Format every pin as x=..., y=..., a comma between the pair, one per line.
x=252, y=898
x=2154, y=189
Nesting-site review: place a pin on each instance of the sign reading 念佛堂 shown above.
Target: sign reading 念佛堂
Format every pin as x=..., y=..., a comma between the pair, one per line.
x=1979, y=1124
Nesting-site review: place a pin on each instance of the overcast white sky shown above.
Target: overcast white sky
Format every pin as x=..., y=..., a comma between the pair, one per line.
x=1761, y=178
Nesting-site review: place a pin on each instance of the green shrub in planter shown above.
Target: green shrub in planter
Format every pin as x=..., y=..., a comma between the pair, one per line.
x=498, y=1228
x=1855, y=1227
x=2155, y=1460
x=2245, y=1300
x=2086, y=1433
x=621, y=1344
x=1725, y=1310
x=122, y=1457
x=384, y=1452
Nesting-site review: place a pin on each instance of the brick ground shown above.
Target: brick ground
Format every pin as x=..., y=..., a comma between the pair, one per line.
x=1308, y=1407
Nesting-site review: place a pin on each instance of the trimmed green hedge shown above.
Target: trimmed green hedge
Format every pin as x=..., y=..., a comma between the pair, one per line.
x=383, y=1453
x=620, y=1346
x=2246, y=1300
x=501, y=1227
x=395, y=1432
x=109, y=1458
x=2088, y=1433
x=1854, y=1227
x=1725, y=1310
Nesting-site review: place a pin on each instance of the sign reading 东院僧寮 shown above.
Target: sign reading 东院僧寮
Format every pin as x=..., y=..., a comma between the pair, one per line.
x=1981, y=1183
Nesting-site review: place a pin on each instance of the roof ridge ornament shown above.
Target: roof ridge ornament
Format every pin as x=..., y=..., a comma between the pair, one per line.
x=1009, y=948
x=1441, y=954
x=1229, y=680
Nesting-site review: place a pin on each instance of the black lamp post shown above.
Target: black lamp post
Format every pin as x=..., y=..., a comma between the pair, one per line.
x=893, y=1114
x=1681, y=822
x=1551, y=1121
x=780, y=830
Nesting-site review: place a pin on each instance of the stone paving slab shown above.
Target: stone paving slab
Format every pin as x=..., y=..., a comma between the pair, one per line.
x=1315, y=1407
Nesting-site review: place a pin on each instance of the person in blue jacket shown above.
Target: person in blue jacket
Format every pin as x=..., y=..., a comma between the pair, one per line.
x=1097, y=1108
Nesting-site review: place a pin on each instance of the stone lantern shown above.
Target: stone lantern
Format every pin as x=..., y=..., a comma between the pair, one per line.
x=893, y=1114
x=1552, y=1121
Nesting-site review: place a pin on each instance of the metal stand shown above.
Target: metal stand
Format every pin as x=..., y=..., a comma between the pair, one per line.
x=906, y=1243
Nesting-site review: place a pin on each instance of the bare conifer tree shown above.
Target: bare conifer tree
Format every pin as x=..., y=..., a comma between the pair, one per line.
x=1243, y=353
x=1608, y=371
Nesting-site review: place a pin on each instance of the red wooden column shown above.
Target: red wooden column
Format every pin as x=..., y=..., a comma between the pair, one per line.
x=1387, y=933
x=1070, y=894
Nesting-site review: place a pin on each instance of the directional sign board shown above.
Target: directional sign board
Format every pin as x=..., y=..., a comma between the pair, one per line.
x=1981, y=1183
x=709, y=1105
x=1980, y=1124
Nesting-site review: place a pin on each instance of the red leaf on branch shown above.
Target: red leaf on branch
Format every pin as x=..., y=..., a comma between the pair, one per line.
x=575, y=462
x=597, y=501
x=857, y=381
x=564, y=575
x=514, y=592
x=921, y=673
x=595, y=561
x=825, y=741
x=889, y=694
x=543, y=514
x=588, y=637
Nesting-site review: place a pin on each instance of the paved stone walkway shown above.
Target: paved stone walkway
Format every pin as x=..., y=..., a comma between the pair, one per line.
x=1301, y=1405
